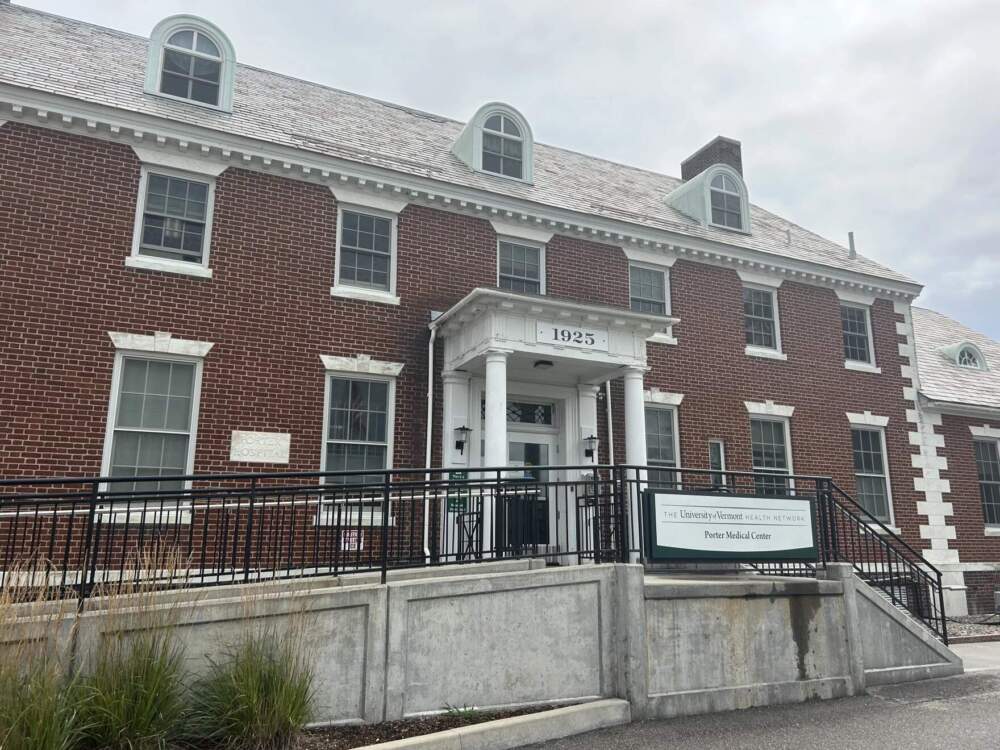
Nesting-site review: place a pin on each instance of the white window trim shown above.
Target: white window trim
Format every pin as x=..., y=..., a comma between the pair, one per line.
x=876, y=424
x=722, y=454
x=641, y=259
x=154, y=60
x=542, y=259
x=182, y=514
x=346, y=290
x=664, y=270
x=168, y=265
x=709, y=175
x=786, y=423
x=985, y=433
x=753, y=350
x=768, y=408
x=359, y=367
x=469, y=144
x=671, y=405
x=855, y=364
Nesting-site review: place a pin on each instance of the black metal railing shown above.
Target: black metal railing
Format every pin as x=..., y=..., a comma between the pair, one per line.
x=71, y=536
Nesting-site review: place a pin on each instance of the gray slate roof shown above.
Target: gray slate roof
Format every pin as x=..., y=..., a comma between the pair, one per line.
x=103, y=66
x=943, y=380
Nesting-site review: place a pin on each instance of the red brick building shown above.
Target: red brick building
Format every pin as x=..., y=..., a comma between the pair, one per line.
x=196, y=280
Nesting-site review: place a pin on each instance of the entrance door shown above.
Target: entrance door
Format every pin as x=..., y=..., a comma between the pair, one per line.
x=526, y=516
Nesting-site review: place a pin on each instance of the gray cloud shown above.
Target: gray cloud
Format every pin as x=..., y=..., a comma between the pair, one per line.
x=882, y=118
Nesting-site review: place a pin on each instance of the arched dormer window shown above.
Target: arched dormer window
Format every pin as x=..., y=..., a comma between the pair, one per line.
x=725, y=201
x=497, y=140
x=715, y=197
x=191, y=59
x=970, y=357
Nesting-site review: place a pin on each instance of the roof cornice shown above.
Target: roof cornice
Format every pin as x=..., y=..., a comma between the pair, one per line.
x=959, y=409
x=114, y=124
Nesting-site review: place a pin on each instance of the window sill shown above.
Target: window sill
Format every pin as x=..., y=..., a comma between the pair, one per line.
x=663, y=337
x=991, y=531
x=764, y=353
x=879, y=530
x=355, y=519
x=109, y=515
x=850, y=364
x=365, y=295
x=168, y=266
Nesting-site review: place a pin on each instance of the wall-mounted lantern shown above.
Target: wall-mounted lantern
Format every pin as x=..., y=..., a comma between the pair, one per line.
x=589, y=445
x=461, y=437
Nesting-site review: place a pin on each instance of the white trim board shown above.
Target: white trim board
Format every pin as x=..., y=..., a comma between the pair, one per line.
x=160, y=342
x=362, y=364
x=866, y=419
x=768, y=409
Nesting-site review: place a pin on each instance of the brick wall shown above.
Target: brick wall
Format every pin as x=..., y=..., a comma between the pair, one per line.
x=67, y=205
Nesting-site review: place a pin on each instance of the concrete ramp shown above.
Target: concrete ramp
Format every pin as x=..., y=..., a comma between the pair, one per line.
x=894, y=646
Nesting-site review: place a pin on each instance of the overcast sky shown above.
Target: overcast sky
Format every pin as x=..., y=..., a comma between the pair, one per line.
x=878, y=117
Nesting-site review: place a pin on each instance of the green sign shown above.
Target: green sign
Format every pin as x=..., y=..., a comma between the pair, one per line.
x=458, y=499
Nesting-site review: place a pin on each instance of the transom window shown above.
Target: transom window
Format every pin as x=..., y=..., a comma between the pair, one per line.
x=647, y=290
x=769, y=446
x=174, y=217
x=365, y=250
x=854, y=324
x=520, y=267
x=988, y=467
x=357, y=428
x=524, y=412
x=503, y=146
x=726, y=202
x=192, y=67
x=969, y=357
x=870, y=474
x=759, y=319
x=661, y=444
x=153, y=423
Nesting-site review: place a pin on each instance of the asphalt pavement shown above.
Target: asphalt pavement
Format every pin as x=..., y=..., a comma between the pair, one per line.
x=954, y=712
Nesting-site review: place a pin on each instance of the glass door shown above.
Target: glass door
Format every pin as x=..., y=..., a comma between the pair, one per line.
x=524, y=509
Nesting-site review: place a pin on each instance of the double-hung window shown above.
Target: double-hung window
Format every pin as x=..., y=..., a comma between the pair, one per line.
x=769, y=446
x=870, y=475
x=760, y=318
x=717, y=462
x=856, y=330
x=192, y=67
x=988, y=467
x=359, y=426
x=152, y=423
x=661, y=445
x=521, y=268
x=365, y=251
x=175, y=214
x=648, y=290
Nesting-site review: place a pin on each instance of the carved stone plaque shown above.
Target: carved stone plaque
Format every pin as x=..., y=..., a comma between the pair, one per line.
x=260, y=447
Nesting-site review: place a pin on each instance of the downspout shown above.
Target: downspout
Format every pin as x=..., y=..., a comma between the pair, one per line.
x=427, y=440
x=611, y=429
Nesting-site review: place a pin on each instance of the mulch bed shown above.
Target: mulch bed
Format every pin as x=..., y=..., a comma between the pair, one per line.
x=979, y=627
x=345, y=737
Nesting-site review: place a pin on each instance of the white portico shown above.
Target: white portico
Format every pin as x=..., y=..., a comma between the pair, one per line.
x=521, y=375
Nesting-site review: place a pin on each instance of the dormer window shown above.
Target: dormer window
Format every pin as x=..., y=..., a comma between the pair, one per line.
x=192, y=67
x=502, y=152
x=726, y=202
x=969, y=357
x=497, y=141
x=192, y=60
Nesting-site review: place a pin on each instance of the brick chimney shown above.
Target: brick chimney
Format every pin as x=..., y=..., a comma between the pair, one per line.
x=720, y=150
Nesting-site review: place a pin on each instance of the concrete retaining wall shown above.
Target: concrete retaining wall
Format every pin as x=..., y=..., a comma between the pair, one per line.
x=464, y=636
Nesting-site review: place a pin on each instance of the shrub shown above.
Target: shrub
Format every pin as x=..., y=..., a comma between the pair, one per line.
x=134, y=696
x=38, y=708
x=133, y=690
x=259, y=696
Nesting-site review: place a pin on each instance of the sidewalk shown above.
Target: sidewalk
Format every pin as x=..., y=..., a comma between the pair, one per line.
x=951, y=712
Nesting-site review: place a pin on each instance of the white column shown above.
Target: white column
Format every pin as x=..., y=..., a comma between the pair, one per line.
x=635, y=445
x=588, y=420
x=635, y=417
x=495, y=423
